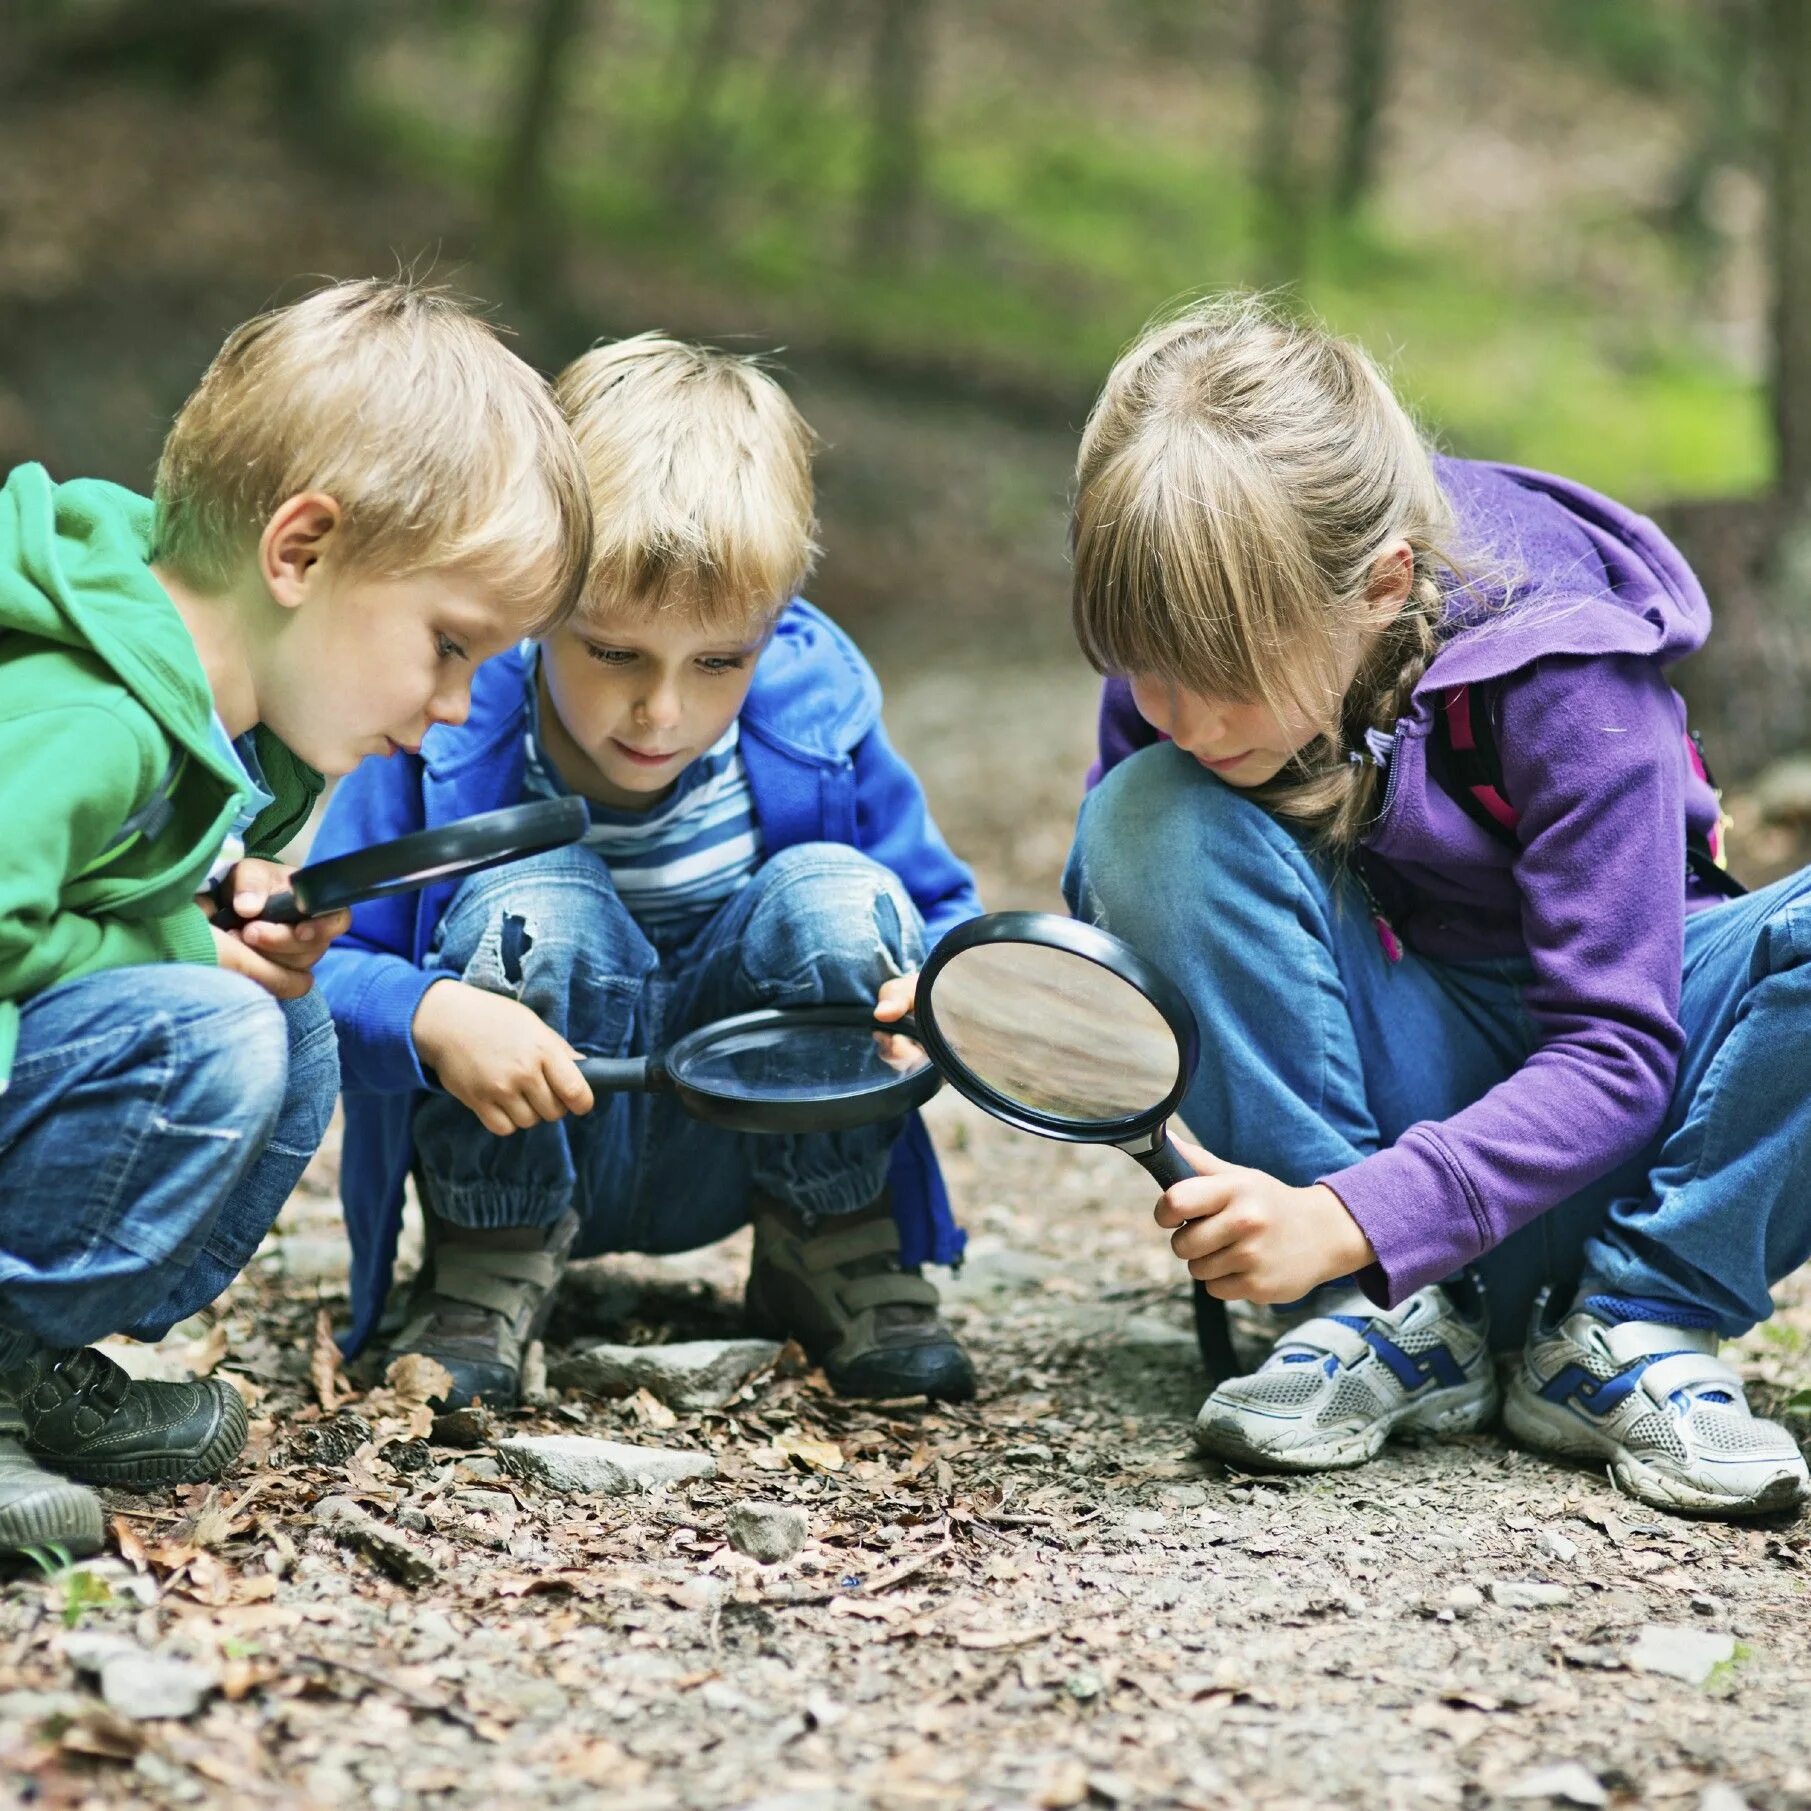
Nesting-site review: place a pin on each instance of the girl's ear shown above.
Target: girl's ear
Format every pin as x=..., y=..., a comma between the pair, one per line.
x=294, y=541
x=1392, y=575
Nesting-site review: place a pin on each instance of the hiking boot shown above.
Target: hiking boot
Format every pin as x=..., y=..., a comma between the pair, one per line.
x=39, y=1509
x=481, y=1300
x=839, y=1289
x=85, y=1416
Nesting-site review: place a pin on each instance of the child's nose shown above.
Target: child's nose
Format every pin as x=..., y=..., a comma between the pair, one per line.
x=451, y=708
x=661, y=707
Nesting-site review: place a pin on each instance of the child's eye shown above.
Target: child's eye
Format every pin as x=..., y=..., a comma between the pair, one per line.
x=723, y=663
x=448, y=648
x=611, y=657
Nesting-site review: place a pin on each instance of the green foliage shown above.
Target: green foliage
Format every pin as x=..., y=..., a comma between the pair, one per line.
x=81, y=1589
x=1044, y=241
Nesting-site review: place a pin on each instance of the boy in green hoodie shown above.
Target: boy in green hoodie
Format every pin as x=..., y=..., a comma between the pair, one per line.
x=365, y=497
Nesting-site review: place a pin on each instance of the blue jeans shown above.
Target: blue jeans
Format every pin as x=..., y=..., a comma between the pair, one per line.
x=818, y=924
x=154, y=1123
x=1318, y=1051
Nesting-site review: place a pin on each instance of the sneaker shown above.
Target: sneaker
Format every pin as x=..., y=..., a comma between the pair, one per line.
x=481, y=1300
x=839, y=1289
x=39, y=1509
x=1658, y=1404
x=87, y=1418
x=1335, y=1387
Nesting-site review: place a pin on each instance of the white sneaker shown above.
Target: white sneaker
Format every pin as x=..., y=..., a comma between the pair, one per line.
x=1337, y=1386
x=1657, y=1403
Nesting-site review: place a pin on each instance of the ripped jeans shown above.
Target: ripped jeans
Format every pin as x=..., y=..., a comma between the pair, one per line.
x=155, y=1120
x=818, y=924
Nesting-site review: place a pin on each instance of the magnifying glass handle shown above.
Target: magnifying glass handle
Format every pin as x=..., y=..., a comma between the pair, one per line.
x=619, y=1074
x=279, y=908
x=1168, y=1166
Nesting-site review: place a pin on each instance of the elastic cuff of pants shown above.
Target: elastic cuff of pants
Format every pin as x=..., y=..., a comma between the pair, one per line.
x=483, y=1205
x=824, y=1197
x=17, y=1348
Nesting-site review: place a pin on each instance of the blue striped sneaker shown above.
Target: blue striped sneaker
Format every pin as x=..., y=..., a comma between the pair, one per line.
x=1658, y=1405
x=1336, y=1386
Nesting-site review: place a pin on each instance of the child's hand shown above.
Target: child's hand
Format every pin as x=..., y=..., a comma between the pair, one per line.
x=895, y=999
x=274, y=978
x=494, y=1055
x=291, y=946
x=1251, y=1238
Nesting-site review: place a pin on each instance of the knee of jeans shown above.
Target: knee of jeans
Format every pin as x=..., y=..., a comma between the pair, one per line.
x=1784, y=943
x=829, y=918
x=526, y=929
x=1160, y=834
x=314, y=1047
x=226, y=1042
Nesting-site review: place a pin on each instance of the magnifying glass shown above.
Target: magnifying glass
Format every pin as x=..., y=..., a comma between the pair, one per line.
x=783, y=1069
x=1058, y=1028
x=463, y=847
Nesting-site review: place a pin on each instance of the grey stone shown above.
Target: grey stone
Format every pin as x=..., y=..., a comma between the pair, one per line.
x=1719, y=1797
x=1528, y=1594
x=144, y=1686
x=586, y=1467
x=769, y=1532
x=1680, y=1653
x=1566, y=1781
x=688, y=1377
x=1464, y=1600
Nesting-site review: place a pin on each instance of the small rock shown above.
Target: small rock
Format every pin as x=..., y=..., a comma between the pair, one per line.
x=769, y=1532
x=700, y=1593
x=688, y=1377
x=1465, y=1600
x=144, y=1686
x=1562, y=1547
x=586, y=1467
x=1719, y=1797
x=486, y=1502
x=388, y=1551
x=1083, y=1686
x=1529, y=1594
x=88, y=1650
x=1567, y=1782
x=1144, y=1521
x=1680, y=1653
x=466, y=1427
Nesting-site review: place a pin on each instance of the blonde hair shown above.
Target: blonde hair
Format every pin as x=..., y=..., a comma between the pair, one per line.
x=443, y=449
x=700, y=475
x=1238, y=479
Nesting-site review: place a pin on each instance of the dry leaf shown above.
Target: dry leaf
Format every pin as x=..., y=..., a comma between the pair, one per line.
x=986, y=1639
x=650, y=1411
x=815, y=1455
x=414, y=1378
x=202, y=1355
x=131, y=1548
x=324, y=1364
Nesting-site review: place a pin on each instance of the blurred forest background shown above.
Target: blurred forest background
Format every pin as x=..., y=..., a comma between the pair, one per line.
x=1579, y=231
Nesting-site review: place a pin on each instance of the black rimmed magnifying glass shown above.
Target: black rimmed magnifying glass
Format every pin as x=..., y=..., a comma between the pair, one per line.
x=447, y=852
x=783, y=1069
x=1058, y=1028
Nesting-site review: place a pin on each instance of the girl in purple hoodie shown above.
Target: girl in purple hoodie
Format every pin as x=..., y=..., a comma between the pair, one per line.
x=1495, y=1052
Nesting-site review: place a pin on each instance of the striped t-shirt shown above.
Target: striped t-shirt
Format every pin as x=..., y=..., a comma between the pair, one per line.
x=676, y=864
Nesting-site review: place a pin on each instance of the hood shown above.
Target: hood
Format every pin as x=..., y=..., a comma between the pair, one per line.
x=1551, y=567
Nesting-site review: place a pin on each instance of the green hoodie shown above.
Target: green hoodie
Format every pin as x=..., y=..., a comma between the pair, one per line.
x=105, y=709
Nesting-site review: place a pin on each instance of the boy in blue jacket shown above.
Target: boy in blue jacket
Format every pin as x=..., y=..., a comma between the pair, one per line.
x=754, y=842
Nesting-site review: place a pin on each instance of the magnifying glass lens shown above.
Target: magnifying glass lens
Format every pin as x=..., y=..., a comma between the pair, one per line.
x=774, y=1063
x=1056, y=1033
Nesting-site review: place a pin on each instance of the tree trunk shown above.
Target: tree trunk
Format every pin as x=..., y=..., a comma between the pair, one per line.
x=525, y=222
x=1789, y=52
x=890, y=192
x=693, y=139
x=1365, y=79
x=1279, y=178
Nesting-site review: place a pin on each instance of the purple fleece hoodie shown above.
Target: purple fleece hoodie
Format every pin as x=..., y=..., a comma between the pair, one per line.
x=1574, y=604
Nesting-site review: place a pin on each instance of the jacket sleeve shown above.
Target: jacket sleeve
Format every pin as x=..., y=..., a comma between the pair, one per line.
x=72, y=778
x=369, y=977
x=1121, y=730
x=1590, y=760
x=894, y=826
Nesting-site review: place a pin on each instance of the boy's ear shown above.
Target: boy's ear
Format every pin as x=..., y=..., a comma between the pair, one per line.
x=1392, y=575
x=295, y=540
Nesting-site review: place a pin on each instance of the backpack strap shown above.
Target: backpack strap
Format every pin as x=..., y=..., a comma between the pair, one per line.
x=1469, y=768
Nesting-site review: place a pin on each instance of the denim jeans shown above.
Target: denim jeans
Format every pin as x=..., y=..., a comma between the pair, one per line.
x=1317, y=1051
x=817, y=924
x=154, y=1123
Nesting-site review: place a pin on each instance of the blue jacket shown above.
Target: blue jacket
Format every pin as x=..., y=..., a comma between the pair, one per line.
x=820, y=769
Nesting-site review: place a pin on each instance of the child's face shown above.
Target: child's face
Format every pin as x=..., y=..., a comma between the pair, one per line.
x=642, y=693
x=1245, y=744
x=368, y=666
